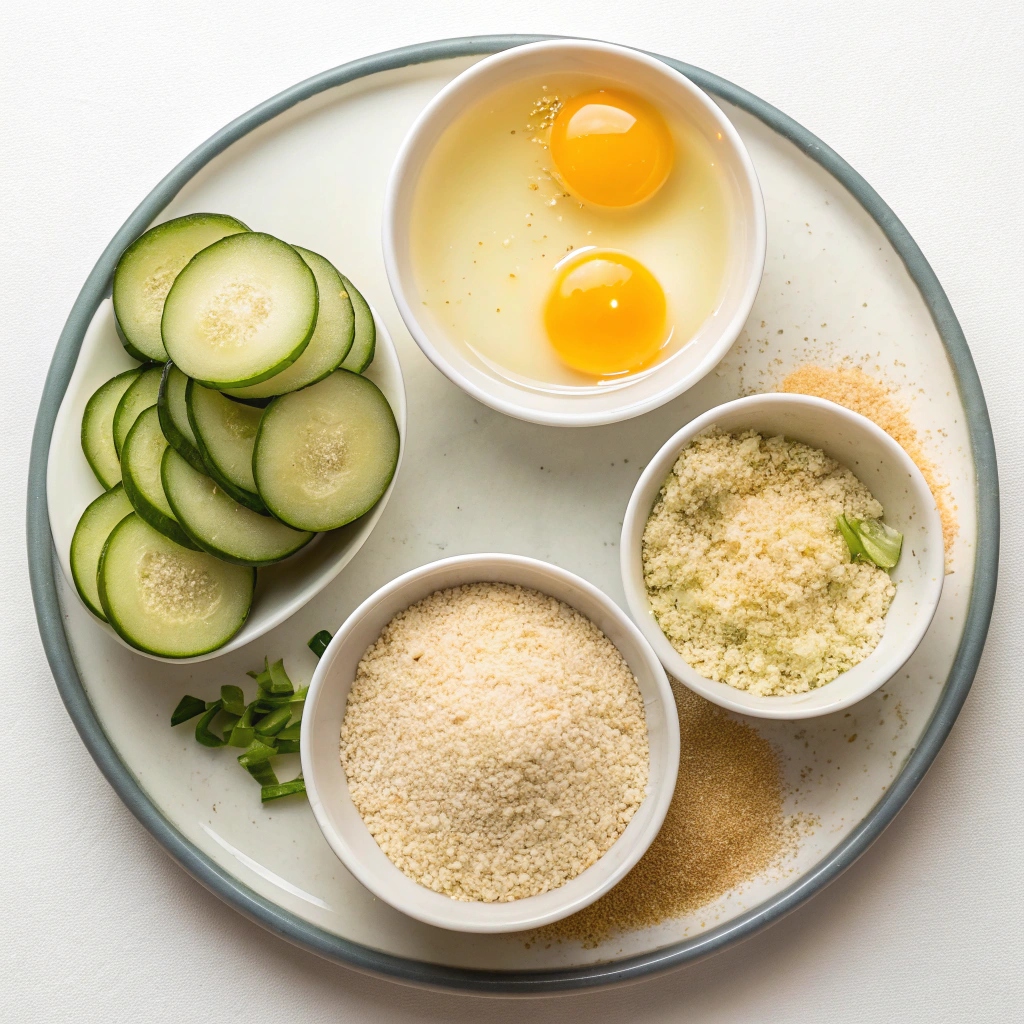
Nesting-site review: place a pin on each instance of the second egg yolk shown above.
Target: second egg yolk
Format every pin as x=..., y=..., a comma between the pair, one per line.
x=606, y=314
x=610, y=148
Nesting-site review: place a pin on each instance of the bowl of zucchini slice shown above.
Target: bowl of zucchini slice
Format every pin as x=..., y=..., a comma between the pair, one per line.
x=217, y=468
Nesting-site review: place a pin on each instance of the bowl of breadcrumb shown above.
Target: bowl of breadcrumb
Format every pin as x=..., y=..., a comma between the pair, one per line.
x=783, y=555
x=489, y=744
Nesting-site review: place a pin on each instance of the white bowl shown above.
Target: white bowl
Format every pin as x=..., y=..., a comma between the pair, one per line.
x=891, y=476
x=668, y=90
x=282, y=589
x=327, y=786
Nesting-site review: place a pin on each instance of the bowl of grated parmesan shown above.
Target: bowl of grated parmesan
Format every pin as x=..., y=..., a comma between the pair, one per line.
x=489, y=744
x=736, y=570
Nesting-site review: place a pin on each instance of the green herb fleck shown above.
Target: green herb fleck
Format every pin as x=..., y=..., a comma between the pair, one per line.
x=280, y=684
x=318, y=644
x=188, y=707
x=282, y=789
x=870, y=540
x=234, y=699
x=203, y=733
x=273, y=723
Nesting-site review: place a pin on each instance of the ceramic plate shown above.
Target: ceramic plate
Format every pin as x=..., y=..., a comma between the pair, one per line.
x=843, y=278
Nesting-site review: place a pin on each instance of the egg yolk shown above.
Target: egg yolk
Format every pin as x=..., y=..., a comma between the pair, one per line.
x=606, y=314
x=610, y=148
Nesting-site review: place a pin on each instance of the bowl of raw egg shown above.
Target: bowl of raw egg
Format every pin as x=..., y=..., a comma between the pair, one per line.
x=573, y=232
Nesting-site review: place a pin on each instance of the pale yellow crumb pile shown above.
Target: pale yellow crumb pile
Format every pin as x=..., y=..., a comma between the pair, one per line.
x=494, y=742
x=747, y=572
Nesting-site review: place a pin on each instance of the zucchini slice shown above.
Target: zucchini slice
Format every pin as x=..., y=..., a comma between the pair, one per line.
x=331, y=341
x=220, y=525
x=147, y=269
x=140, y=472
x=225, y=432
x=91, y=533
x=174, y=416
x=98, y=427
x=325, y=455
x=360, y=355
x=169, y=600
x=256, y=403
x=241, y=311
x=141, y=394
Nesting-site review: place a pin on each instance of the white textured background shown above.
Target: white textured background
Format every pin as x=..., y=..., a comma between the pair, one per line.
x=100, y=99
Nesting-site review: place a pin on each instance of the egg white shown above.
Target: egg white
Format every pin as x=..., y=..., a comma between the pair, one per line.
x=491, y=223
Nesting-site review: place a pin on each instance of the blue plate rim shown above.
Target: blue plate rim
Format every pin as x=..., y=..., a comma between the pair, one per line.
x=44, y=570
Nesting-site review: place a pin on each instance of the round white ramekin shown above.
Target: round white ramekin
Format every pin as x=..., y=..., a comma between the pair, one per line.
x=669, y=91
x=891, y=476
x=327, y=786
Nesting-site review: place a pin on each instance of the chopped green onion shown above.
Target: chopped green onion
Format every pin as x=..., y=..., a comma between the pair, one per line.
x=265, y=704
x=263, y=727
x=227, y=725
x=870, y=540
x=318, y=644
x=288, y=739
x=188, y=707
x=262, y=678
x=262, y=772
x=234, y=699
x=241, y=736
x=243, y=733
x=283, y=789
x=256, y=761
x=280, y=684
x=203, y=733
x=258, y=750
x=274, y=722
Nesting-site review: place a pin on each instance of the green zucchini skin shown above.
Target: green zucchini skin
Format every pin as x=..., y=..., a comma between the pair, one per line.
x=146, y=270
x=331, y=341
x=140, y=473
x=203, y=404
x=144, y=613
x=172, y=410
x=360, y=355
x=98, y=427
x=256, y=403
x=91, y=533
x=220, y=525
x=325, y=455
x=142, y=394
x=251, y=273
x=134, y=352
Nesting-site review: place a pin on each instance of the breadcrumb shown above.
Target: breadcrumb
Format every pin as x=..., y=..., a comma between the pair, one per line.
x=494, y=742
x=725, y=826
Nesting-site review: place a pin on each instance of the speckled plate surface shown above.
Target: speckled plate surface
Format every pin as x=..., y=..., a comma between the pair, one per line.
x=843, y=278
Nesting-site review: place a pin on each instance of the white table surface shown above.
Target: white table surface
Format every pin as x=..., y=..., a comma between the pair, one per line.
x=100, y=99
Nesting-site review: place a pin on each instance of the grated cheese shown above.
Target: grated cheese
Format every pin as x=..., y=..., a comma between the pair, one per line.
x=747, y=574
